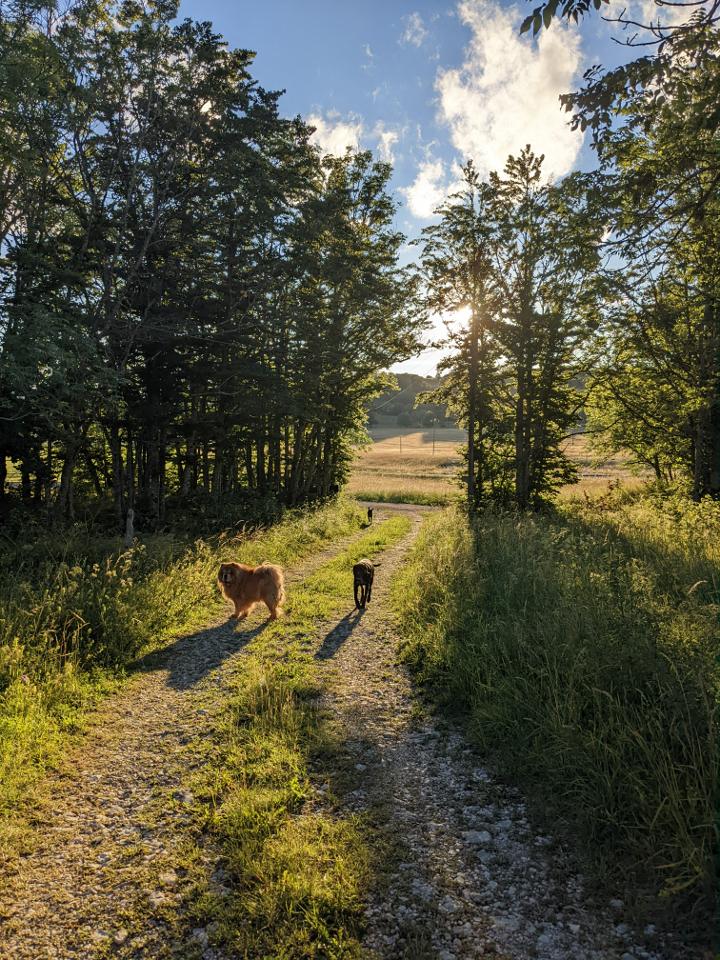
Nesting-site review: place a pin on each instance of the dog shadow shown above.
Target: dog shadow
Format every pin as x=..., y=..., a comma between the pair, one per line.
x=339, y=634
x=193, y=656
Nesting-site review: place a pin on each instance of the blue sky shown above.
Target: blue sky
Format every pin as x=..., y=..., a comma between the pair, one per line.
x=425, y=85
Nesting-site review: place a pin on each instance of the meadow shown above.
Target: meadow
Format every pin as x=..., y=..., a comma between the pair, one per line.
x=411, y=465
x=407, y=465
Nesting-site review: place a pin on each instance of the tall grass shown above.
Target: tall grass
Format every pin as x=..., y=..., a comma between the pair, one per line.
x=406, y=494
x=584, y=650
x=67, y=629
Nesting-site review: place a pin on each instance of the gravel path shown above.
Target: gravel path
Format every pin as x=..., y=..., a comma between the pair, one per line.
x=101, y=877
x=464, y=873
x=461, y=873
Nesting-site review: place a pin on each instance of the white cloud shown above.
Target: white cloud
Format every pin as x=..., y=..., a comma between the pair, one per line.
x=505, y=94
x=387, y=137
x=415, y=30
x=333, y=133
x=428, y=189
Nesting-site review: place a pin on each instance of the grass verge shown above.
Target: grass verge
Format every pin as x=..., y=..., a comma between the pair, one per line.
x=583, y=649
x=68, y=630
x=297, y=870
x=406, y=495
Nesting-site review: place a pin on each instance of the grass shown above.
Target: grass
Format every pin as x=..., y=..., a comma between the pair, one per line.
x=583, y=650
x=405, y=465
x=68, y=631
x=298, y=869
x=405, y=495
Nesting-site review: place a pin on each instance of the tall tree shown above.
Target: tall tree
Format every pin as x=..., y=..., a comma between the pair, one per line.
x=522, y=260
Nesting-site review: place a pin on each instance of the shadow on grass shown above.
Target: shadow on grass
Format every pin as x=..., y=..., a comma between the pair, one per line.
x=339, y=634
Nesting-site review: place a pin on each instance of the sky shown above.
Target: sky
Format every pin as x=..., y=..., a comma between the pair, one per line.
x=424, y=85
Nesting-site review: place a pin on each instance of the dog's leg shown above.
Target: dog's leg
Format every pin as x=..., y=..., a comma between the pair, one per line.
x=241, y=612
x=357, y=598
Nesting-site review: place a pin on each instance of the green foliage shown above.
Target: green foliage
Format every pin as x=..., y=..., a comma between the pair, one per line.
x=67, y=630
x=584, y=650
x=655, y=124
x=194, y=302
x=519, y=255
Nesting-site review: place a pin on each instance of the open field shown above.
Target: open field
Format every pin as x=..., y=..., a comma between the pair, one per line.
x=404, y=464
x=595, y=476
x=410, y=465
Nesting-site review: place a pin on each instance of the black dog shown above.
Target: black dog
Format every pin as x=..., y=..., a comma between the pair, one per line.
x=363, y=576
x=370, y=513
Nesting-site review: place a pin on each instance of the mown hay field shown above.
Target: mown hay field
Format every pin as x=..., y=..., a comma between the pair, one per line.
x=407, y=464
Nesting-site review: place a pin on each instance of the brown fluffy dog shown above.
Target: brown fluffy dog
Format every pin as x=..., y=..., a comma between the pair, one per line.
x=245, y=586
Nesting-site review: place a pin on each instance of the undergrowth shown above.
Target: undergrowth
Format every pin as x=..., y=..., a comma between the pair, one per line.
x=298, y=871
x=583, y=649
x=68, y=629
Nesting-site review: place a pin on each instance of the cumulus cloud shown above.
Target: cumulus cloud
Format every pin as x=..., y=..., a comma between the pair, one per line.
x=386, y=137
x=415, y=31
x=505, y=93
x=428, y=190
x=334, y=133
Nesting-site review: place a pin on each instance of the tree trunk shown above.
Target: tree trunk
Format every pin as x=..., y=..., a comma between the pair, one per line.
x=65, y=504
x=117, y=473
x=190, y=467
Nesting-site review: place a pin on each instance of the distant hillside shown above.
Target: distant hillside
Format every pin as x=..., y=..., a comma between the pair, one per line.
x=397, y=406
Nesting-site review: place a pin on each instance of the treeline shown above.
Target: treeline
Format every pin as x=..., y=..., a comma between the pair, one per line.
x=403, y=405
x=597, y=296
x=194, y=302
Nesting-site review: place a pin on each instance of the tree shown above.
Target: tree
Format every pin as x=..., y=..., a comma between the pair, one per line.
x=522, y=260
x=194, y=303
x=655, y=125
x=458, y=264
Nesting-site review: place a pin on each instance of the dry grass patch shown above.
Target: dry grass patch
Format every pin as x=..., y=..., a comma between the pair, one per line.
x=408, y=466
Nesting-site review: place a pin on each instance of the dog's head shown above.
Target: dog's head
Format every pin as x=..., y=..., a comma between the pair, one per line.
x=226, y=574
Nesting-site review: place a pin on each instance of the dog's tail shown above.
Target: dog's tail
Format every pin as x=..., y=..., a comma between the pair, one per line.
x=276, y=584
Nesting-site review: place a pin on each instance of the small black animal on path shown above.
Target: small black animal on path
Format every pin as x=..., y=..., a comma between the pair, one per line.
x=370, y=513
x=363, y=576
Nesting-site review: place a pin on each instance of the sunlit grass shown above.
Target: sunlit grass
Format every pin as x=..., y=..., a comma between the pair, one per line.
x=298, y=869
x=68, y=631
x=407, y=465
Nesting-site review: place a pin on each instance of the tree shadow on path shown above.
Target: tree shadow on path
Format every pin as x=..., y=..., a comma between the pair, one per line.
x=339, y=634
